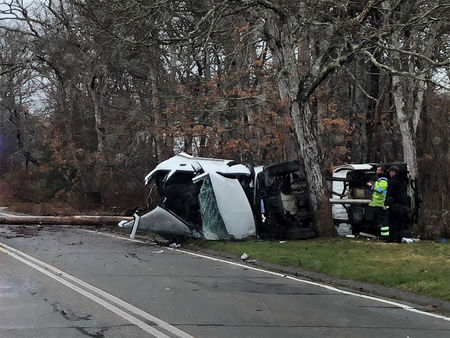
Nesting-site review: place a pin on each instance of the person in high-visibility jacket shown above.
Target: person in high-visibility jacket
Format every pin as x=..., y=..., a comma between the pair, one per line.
x=379, y=189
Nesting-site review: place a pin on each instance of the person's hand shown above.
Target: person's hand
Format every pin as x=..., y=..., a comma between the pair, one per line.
x=369, y=184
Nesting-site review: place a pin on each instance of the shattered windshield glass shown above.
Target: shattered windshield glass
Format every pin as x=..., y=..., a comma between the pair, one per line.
x=213, y=226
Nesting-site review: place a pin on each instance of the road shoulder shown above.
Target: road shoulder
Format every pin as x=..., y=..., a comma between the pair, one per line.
x=425, y=303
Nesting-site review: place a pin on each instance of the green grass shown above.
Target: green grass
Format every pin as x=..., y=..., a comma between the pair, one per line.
x=422, y=267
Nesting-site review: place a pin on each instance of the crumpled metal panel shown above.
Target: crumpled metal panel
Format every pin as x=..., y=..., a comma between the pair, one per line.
x=161, y=221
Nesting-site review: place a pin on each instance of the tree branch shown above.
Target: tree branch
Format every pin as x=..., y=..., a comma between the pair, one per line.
x=360, y=87
x=424, y=57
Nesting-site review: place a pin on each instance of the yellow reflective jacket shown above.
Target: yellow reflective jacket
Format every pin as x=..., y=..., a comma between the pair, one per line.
x=379, y=192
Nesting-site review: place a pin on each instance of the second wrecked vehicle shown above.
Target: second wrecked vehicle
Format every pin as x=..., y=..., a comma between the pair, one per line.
x=351, y=197
x=219, y=199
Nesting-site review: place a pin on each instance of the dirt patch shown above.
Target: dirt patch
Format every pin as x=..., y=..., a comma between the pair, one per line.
x=55, y=209
x=15, y=231
x=40, y=209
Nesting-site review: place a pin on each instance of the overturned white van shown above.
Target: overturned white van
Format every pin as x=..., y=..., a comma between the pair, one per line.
x=218, y=199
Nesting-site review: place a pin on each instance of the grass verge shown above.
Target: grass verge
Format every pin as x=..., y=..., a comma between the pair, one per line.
x=422, y=267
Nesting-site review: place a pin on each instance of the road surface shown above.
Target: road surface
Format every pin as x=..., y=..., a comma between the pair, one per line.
x=68, y=282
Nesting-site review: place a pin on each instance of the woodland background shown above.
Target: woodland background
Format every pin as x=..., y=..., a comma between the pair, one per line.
x=94, y=93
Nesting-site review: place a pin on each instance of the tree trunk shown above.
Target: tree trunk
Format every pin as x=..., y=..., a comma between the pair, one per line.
x=98, y=124
x=362, y=116
x=284, y=46
x=377, y=130
x=97, y=98
x=408, y=98
x=310, y=152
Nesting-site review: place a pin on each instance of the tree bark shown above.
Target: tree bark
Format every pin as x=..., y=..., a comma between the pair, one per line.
x=408, y=93
x=377, y=130
x=97, y=99
x=408, y=107
x=310, y=152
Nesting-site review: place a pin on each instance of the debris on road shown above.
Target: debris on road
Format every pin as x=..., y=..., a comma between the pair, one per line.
x=364, y=234
x=15, y=231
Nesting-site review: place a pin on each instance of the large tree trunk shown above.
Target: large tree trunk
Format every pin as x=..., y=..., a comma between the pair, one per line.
x=309, y=148
x=291, y=87
x=310, y=152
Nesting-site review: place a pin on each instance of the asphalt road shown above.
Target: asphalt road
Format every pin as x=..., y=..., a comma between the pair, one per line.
x=67, y=282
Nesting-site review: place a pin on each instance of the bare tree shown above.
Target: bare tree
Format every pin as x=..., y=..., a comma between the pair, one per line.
x=17, y=86
x=412, y=56
x=325, y=32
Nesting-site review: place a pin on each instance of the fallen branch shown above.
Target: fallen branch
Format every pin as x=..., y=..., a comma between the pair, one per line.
x=61, y=220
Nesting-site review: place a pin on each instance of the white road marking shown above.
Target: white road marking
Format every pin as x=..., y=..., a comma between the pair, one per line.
x=44, y=268
x=113, y=236
x=331, y=288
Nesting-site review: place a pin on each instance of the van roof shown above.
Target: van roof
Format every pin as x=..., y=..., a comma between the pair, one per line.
x=186, y=162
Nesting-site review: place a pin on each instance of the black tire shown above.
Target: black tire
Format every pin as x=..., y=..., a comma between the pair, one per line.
x=302, y=199
x=283, y=168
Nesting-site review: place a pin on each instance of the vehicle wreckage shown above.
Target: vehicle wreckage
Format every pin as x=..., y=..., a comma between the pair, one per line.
x=351, y=197
x=218, y=199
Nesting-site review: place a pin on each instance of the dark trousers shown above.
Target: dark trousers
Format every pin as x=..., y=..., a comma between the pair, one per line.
x=396, y=224
x=380, y=218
